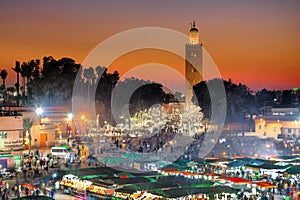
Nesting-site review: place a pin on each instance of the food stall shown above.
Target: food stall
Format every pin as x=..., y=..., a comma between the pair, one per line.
x=121, y=195
x=67, y=182
x=97, y=191
x=27, y=189
x=85, y=189
x=80, y=188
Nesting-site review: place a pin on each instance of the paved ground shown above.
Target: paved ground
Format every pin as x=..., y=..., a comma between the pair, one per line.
x=58, y=195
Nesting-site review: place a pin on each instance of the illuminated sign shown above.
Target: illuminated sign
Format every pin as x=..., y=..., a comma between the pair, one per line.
x=13, y=143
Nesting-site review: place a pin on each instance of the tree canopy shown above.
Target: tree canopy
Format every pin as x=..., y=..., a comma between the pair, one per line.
x=50, y=82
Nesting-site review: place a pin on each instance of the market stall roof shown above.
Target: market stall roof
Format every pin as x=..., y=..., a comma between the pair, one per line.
x=125, y=174
x=176, y=166
x=192, y=164
x=147, y=186
x=252, y=159
x=246, y=161
x=151, y=173
x=293, y=169
x=237, y=164
x=181, y=192
x=213, y=160
x=285, y=158
x=182, y=161
x=265, y=185
x=267, y=165
x=87, y=173
x=181, y=182
x=163, y=163
x=127, y=189
x=256, y=162
x=212, y=174
x=126, y=181
x=170, y=170
x=98, y=182
x=107, y=171
x=132, y=156
x=235, y=180
x=112, y=160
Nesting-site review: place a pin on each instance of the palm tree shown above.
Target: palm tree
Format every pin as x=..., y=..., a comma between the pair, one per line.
x=3, y=75
x=89, y=75
x=10, y=93
x=17, y=69
x=27, y=124
x=23, y=75
x=26, y=73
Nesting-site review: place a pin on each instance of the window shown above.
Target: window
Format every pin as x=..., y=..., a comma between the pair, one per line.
x=289, y=130
x=274, y=129
x=3, y=134
x=58, y=150
x=20, y=134
x=259, y=126
x=193, y=54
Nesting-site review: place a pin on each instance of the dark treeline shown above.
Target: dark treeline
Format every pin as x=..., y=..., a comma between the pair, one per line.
x=242, y=104
x=50, y=83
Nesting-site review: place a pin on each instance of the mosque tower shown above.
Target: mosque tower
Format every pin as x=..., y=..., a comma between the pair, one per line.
x=193, y=63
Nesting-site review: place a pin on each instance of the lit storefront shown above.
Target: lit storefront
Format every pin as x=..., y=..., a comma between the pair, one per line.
x=272, y=126
x=11, y=139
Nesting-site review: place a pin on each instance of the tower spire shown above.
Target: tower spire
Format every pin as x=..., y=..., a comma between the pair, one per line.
x=193, y=64
x=194, y=34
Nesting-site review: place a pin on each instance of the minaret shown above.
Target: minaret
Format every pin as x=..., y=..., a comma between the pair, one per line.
x=193, y=64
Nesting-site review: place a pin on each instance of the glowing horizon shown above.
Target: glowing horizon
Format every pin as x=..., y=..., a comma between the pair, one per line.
x=254, y=43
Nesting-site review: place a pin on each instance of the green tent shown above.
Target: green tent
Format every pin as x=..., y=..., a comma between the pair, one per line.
x=112, y=160
x=293, y=170
x=181, y=192
x=132, y=156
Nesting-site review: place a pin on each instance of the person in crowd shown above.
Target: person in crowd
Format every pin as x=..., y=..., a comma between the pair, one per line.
x=20, y=190
x=78, y=162
x=27, y=191
x=46, y=166
x=37, y=153
x=37, y=192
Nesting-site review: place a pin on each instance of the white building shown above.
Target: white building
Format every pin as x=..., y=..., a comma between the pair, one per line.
x=11, y=138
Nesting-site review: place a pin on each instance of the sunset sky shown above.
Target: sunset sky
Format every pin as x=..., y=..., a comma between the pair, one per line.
x=253, y=42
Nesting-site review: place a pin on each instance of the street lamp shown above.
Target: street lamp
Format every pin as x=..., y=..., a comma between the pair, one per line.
x=83, y=126
x=69, y=127
x=39, y=111
x=70, y=116
x=82, y=117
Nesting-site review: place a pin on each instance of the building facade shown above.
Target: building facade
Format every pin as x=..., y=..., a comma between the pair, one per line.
x=273, y=126
x=51, y=126
x=11, y=138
